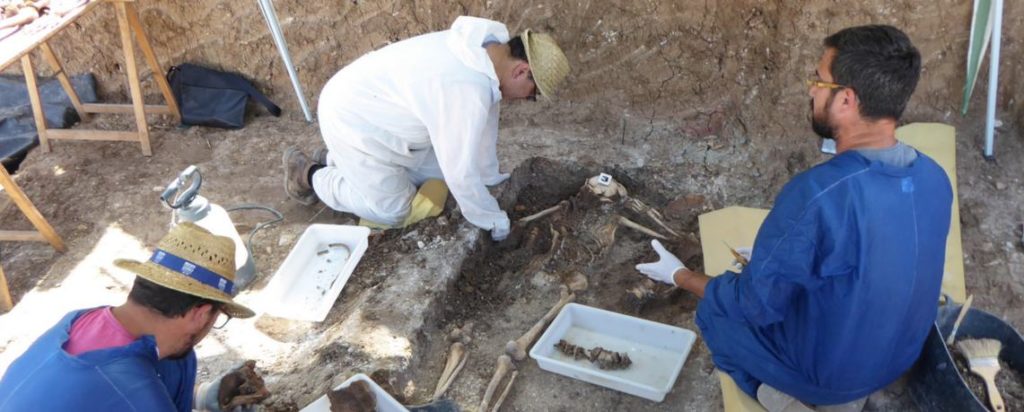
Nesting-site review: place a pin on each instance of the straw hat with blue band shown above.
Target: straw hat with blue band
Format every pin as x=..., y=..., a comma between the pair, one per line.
x=547, y=62
x=190, y=259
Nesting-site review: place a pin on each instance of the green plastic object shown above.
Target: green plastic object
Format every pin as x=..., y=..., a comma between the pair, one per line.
x=981, y=32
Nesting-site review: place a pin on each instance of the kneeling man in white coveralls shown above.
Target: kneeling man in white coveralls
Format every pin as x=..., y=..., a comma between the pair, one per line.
x=423, y=108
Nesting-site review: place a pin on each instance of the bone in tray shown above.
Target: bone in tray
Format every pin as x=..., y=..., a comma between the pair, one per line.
x=603, y=358
x=328, y=262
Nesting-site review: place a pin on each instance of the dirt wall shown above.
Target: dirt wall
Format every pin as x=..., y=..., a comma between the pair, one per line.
x=699, y=67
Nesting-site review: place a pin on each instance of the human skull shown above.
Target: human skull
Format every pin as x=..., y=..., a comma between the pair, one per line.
x=606, y=187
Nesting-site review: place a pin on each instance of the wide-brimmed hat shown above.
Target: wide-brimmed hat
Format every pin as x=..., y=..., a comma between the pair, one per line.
x=190, y=259
x=547, y=62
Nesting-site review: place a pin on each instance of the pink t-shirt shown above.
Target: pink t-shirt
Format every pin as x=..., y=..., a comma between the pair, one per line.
x=97, y=329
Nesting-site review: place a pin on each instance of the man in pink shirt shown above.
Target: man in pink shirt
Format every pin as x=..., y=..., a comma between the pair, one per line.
x=138, y=356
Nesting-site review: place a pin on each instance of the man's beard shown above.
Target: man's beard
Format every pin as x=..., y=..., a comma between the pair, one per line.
x=193, y=341
x=822, y=127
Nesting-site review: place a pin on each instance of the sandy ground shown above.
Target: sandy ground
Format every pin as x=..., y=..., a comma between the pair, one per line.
x=695, y=106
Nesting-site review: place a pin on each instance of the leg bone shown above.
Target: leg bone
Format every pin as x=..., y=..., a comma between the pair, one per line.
x=504, y=365
x=455, y=355
x=517, y=348
x=451, y=378
x=504, y=393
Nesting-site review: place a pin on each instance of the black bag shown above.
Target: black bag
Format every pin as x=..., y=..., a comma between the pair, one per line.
x=213, y=98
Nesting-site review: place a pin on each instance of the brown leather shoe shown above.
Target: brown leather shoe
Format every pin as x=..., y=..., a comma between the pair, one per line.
x=320, y=155
x=296, y=170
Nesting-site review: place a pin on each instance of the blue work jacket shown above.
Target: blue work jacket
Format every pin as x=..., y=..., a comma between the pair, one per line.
x=842, y=285
x=124, y=378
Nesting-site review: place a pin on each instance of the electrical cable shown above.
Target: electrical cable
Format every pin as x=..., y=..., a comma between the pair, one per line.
x=259, y=226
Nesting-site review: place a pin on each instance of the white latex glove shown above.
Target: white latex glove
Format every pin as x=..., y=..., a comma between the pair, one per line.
x=206, y=397
x=500, y=231
x=746, y=252
x=664, y=269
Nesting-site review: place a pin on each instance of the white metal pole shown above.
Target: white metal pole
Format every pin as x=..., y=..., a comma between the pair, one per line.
x=993, y=78
x=275, y=31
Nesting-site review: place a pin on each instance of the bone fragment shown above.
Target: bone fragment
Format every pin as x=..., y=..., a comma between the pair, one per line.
x=640, y=228
x=517, y=348
x=605, y=234
x=504, y=393
x=461, y=334
x=576, y=281
x=504, y=365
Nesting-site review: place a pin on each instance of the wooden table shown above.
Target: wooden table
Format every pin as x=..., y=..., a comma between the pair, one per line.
x=19, y=46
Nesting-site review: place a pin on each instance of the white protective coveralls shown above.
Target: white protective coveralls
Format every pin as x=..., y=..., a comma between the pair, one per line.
x=422, y=108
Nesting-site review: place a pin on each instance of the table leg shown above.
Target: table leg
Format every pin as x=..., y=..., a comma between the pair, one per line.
x=29, y=210
x=37, y=104
x=51, y=58
x=6, y=303
x=133, y=77
x=154, y=64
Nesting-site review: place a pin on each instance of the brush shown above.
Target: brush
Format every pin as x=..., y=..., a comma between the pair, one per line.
x=742, y=260
x=959, y=318
x=983, y=358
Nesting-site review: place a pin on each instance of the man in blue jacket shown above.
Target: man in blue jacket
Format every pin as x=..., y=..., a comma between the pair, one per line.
x=841, y=288
x=138, y=356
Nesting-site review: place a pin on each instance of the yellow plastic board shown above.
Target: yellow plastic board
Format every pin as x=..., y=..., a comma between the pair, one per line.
x=737, y=226
x=938, y=141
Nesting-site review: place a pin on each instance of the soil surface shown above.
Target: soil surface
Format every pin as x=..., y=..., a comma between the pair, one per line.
x=693, y=106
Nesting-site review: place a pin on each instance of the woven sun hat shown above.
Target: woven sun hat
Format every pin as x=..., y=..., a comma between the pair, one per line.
x=547, y=62
x=190, y=259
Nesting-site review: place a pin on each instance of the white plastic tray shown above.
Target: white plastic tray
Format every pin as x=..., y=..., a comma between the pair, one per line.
x=658, y=351
x=385, y=403
x=310, y=279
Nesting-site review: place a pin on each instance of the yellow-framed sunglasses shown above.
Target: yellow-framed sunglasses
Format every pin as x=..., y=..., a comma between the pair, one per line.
x=824, y=84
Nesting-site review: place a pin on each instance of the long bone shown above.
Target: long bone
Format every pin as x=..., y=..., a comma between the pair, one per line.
x=542, y=213
x=504, y=366
x=504, y=393
x=640, y=207
x=640, y=228
x=456, y=358
x=517, y=348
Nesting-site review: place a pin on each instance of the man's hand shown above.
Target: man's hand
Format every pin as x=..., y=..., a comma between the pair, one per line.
x=745, y=252
x=500, y=231
x=238, y=389
x=666, y=266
